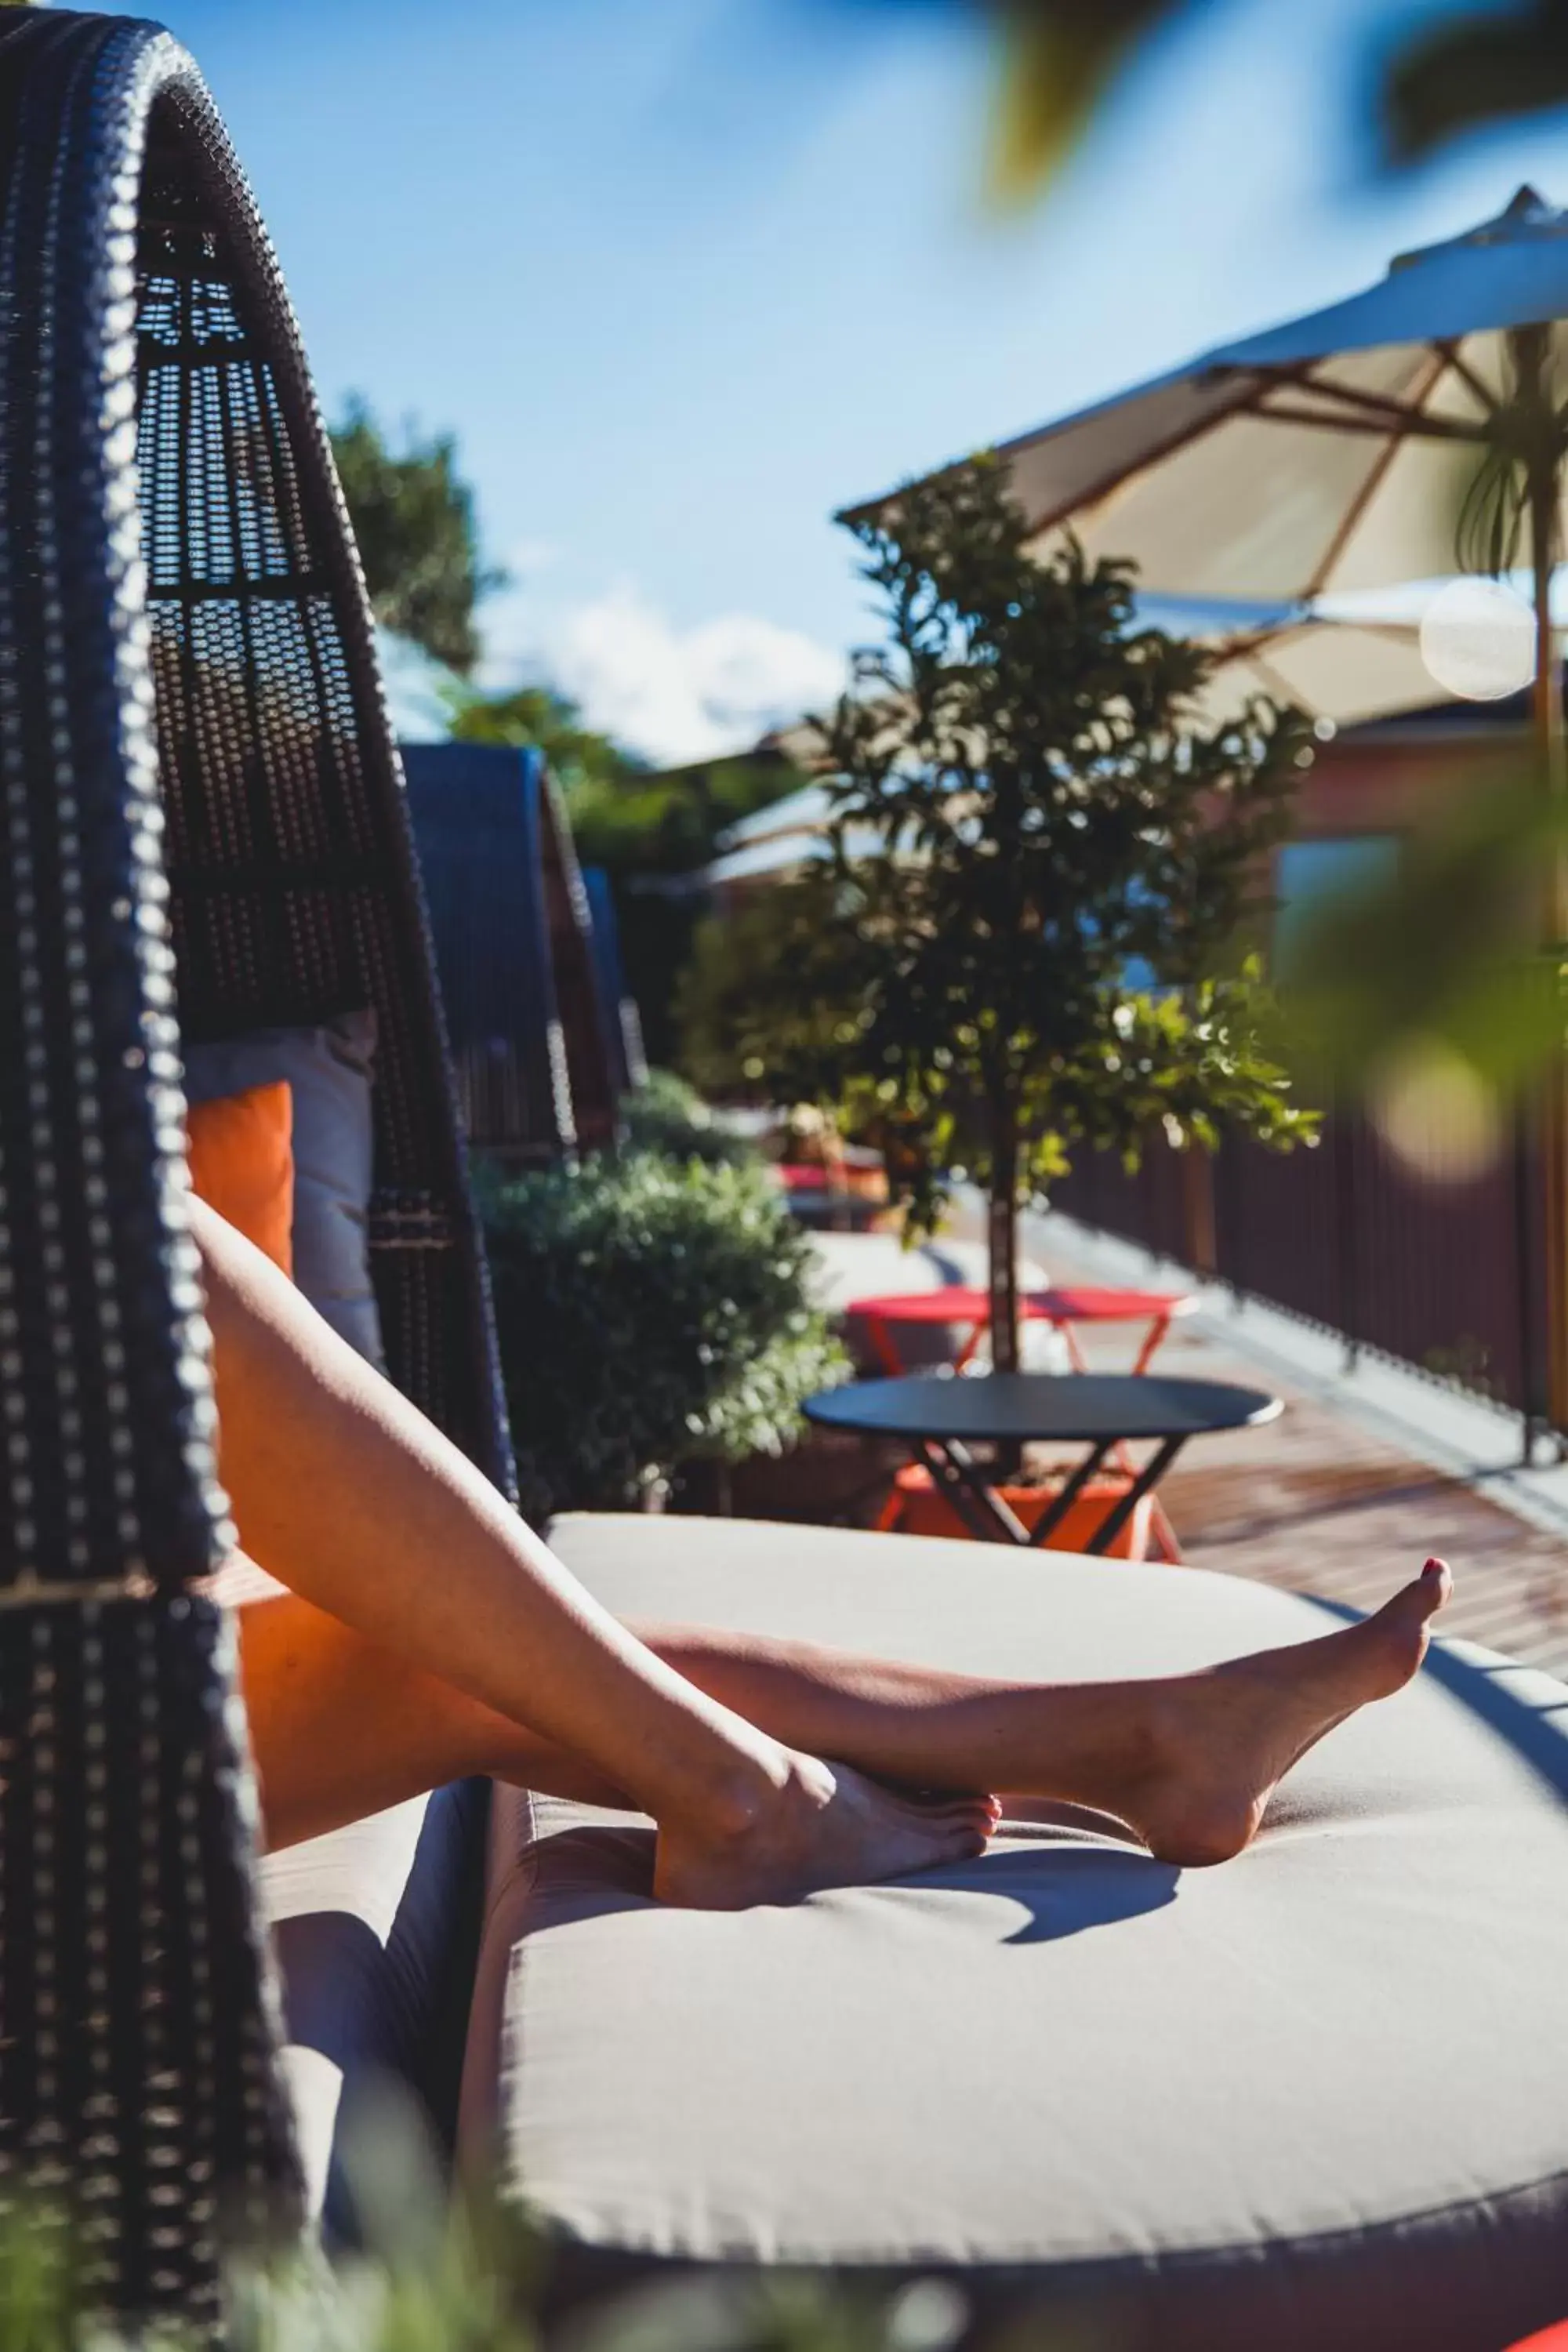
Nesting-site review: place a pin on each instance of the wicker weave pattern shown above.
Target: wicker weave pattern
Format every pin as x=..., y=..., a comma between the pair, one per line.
x=586, y=1015
x=532, y=1031
x=201, y=811
x=137, y=2076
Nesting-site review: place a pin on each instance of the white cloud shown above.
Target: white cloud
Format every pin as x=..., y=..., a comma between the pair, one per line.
x=525, y=557
x=672, y=694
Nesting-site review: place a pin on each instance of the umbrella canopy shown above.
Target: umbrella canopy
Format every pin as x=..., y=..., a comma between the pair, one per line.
x=789, y=834
x=1337, y=662
x=1330, y=453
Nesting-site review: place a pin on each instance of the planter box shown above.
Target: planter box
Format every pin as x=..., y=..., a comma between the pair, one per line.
x=916, y=1507
x=828, y=1479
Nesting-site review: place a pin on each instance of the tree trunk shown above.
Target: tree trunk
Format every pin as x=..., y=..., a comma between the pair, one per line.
x=1003, y=1236
x=1198, y=1209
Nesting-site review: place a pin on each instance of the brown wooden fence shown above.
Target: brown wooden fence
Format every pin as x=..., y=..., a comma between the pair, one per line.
x=1446, y=1276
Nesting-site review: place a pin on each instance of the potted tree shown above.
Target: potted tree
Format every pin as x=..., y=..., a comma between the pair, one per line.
x=1028, y=932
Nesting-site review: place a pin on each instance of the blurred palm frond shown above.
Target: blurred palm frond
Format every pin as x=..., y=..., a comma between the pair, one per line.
x=1058, y=63
x=1466, y=69
x=1460, y=67
x=1441, y=953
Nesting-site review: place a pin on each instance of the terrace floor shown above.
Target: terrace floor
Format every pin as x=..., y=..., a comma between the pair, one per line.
x=1359, y=1479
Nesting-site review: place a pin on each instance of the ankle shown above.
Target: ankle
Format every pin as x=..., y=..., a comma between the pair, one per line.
x=1148, y=1738
x=1161, y=1732
x=727, y=1801
x=759, y=1799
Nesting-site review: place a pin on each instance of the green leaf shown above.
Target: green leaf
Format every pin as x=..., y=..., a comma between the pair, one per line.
x=1444, y=950
x=1057, y=61
x=1465, y=68
x=413, y=518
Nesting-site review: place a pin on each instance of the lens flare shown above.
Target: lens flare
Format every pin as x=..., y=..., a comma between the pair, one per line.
x=1437, y=1113
x=1478, y=640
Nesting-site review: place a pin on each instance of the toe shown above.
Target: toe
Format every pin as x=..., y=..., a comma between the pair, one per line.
x=1386, y=1648
x=1436, y=1586
x=1415, y=1602
x=971, y=1821
x=963, y=1845
x=968, y=1809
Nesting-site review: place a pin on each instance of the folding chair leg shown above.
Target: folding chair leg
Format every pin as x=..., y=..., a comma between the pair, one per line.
x=1166, y=1547
x=891, y=1518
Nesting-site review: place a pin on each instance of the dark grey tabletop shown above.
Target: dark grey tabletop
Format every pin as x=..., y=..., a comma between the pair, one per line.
x=1089, y=1407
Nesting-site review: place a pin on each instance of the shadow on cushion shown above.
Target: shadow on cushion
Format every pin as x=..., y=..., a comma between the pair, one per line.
x=378, y=1972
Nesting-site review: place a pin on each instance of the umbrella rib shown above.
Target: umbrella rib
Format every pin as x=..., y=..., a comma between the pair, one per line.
x=1379, y=404
x=1243, y=647
x=1370, y=411
x=1376, y=475
x=1278, y=685
x=1082, y=500
x=1398, y=633
x=1401, y=423
x=1463, y=368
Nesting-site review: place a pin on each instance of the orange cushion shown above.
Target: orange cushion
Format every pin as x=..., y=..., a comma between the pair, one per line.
x=240, y=1152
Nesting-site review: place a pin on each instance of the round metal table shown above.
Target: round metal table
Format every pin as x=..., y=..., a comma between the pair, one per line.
x=939, y=1419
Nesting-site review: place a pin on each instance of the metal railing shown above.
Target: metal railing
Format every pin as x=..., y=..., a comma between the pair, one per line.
x=1447, y=1277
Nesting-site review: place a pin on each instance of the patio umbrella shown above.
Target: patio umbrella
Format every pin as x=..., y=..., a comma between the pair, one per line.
x=1372, y=442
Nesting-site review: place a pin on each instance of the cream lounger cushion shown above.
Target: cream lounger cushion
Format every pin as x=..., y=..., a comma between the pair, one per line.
x=1318, y=2097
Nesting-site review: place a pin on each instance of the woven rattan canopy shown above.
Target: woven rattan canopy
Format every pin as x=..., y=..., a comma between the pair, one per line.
x=202, y=828
x=534, y=1032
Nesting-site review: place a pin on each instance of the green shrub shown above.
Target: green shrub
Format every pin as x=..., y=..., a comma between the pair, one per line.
x=468, y=2278
x=453, y=2300
x=651, y=1313
x=666, y=1114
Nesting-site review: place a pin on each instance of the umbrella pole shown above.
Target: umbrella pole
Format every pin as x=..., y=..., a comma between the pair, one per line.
x=1551, y=742
x=1532, y=351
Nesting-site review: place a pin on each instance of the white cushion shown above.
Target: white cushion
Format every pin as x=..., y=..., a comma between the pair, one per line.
x=1315, y=2096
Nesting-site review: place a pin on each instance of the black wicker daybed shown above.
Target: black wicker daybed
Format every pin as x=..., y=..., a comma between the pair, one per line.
x=534, y=1036
x=1318, y=2097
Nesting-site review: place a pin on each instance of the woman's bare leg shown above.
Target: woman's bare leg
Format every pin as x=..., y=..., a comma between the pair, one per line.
x=343, y=1728
x=340, y=1728
x=1187, y=1761
x=360, y=1506
x=349, y=1497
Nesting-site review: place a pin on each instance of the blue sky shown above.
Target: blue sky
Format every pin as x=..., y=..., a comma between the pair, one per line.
x=685, y=275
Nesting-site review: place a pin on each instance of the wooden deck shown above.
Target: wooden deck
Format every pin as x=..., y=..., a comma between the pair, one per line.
x=1318, y=1504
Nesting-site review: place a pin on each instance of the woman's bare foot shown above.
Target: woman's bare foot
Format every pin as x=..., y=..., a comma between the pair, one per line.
x=1220, y=1742
x=825, y=1826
